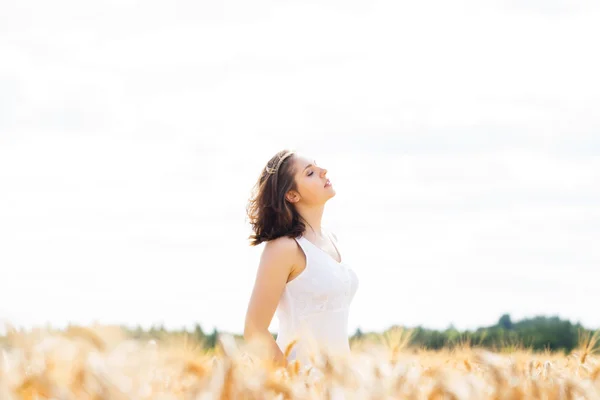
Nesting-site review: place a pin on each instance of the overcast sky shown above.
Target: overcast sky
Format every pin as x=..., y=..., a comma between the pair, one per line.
x=463, y=141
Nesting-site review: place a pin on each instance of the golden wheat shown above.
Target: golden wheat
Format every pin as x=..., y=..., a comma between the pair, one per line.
x=100, y=363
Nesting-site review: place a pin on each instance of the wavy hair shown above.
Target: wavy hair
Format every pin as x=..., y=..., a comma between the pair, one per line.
x=270, y=214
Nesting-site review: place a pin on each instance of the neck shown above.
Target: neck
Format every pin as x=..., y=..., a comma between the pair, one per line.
x=312, y=217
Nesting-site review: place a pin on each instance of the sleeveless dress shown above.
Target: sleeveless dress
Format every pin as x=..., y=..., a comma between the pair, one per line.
x=314, y=306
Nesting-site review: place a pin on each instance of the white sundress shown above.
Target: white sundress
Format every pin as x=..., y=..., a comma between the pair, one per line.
x=314, y=306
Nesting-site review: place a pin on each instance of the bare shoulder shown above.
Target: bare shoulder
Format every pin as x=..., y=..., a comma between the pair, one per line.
x=281, y=244
x=282, y=250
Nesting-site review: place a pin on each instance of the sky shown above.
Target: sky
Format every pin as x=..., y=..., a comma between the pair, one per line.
x=462, y=139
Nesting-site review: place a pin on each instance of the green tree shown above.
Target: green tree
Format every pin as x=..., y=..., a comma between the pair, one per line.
x=505, y=322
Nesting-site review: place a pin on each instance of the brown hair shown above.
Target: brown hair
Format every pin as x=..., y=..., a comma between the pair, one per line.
x=270, y=214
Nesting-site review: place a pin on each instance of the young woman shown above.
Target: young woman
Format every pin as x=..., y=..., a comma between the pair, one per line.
x=301, y=274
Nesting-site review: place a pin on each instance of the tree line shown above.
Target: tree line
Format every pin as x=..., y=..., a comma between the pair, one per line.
x=537, y=333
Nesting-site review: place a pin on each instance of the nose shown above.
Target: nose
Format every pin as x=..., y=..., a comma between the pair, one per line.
x=323, y=171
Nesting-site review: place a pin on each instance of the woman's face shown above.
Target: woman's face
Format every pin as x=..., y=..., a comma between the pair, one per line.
x=312, y=182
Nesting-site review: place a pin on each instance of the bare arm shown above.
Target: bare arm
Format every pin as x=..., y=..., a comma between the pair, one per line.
x=275, y=265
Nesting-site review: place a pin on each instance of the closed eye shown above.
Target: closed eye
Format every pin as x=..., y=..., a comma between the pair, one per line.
x=314, y=164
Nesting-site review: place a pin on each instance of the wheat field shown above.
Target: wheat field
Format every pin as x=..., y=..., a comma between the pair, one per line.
x=102, y=362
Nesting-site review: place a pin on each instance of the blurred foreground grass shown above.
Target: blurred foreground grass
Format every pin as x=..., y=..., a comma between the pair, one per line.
x=105, y=363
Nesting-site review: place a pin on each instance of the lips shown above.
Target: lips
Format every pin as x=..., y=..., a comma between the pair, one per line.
x=328, y=183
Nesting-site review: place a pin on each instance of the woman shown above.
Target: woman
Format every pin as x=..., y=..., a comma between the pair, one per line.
x=301, y=274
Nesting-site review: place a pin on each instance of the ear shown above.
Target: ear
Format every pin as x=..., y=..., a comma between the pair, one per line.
x=292, y=196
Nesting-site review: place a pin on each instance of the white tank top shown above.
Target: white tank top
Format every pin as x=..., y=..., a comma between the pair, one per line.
x=314, y=306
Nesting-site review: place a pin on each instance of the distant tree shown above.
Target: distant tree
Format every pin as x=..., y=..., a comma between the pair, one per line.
x=198, y=332
x=211, y=340
x=505, y=323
